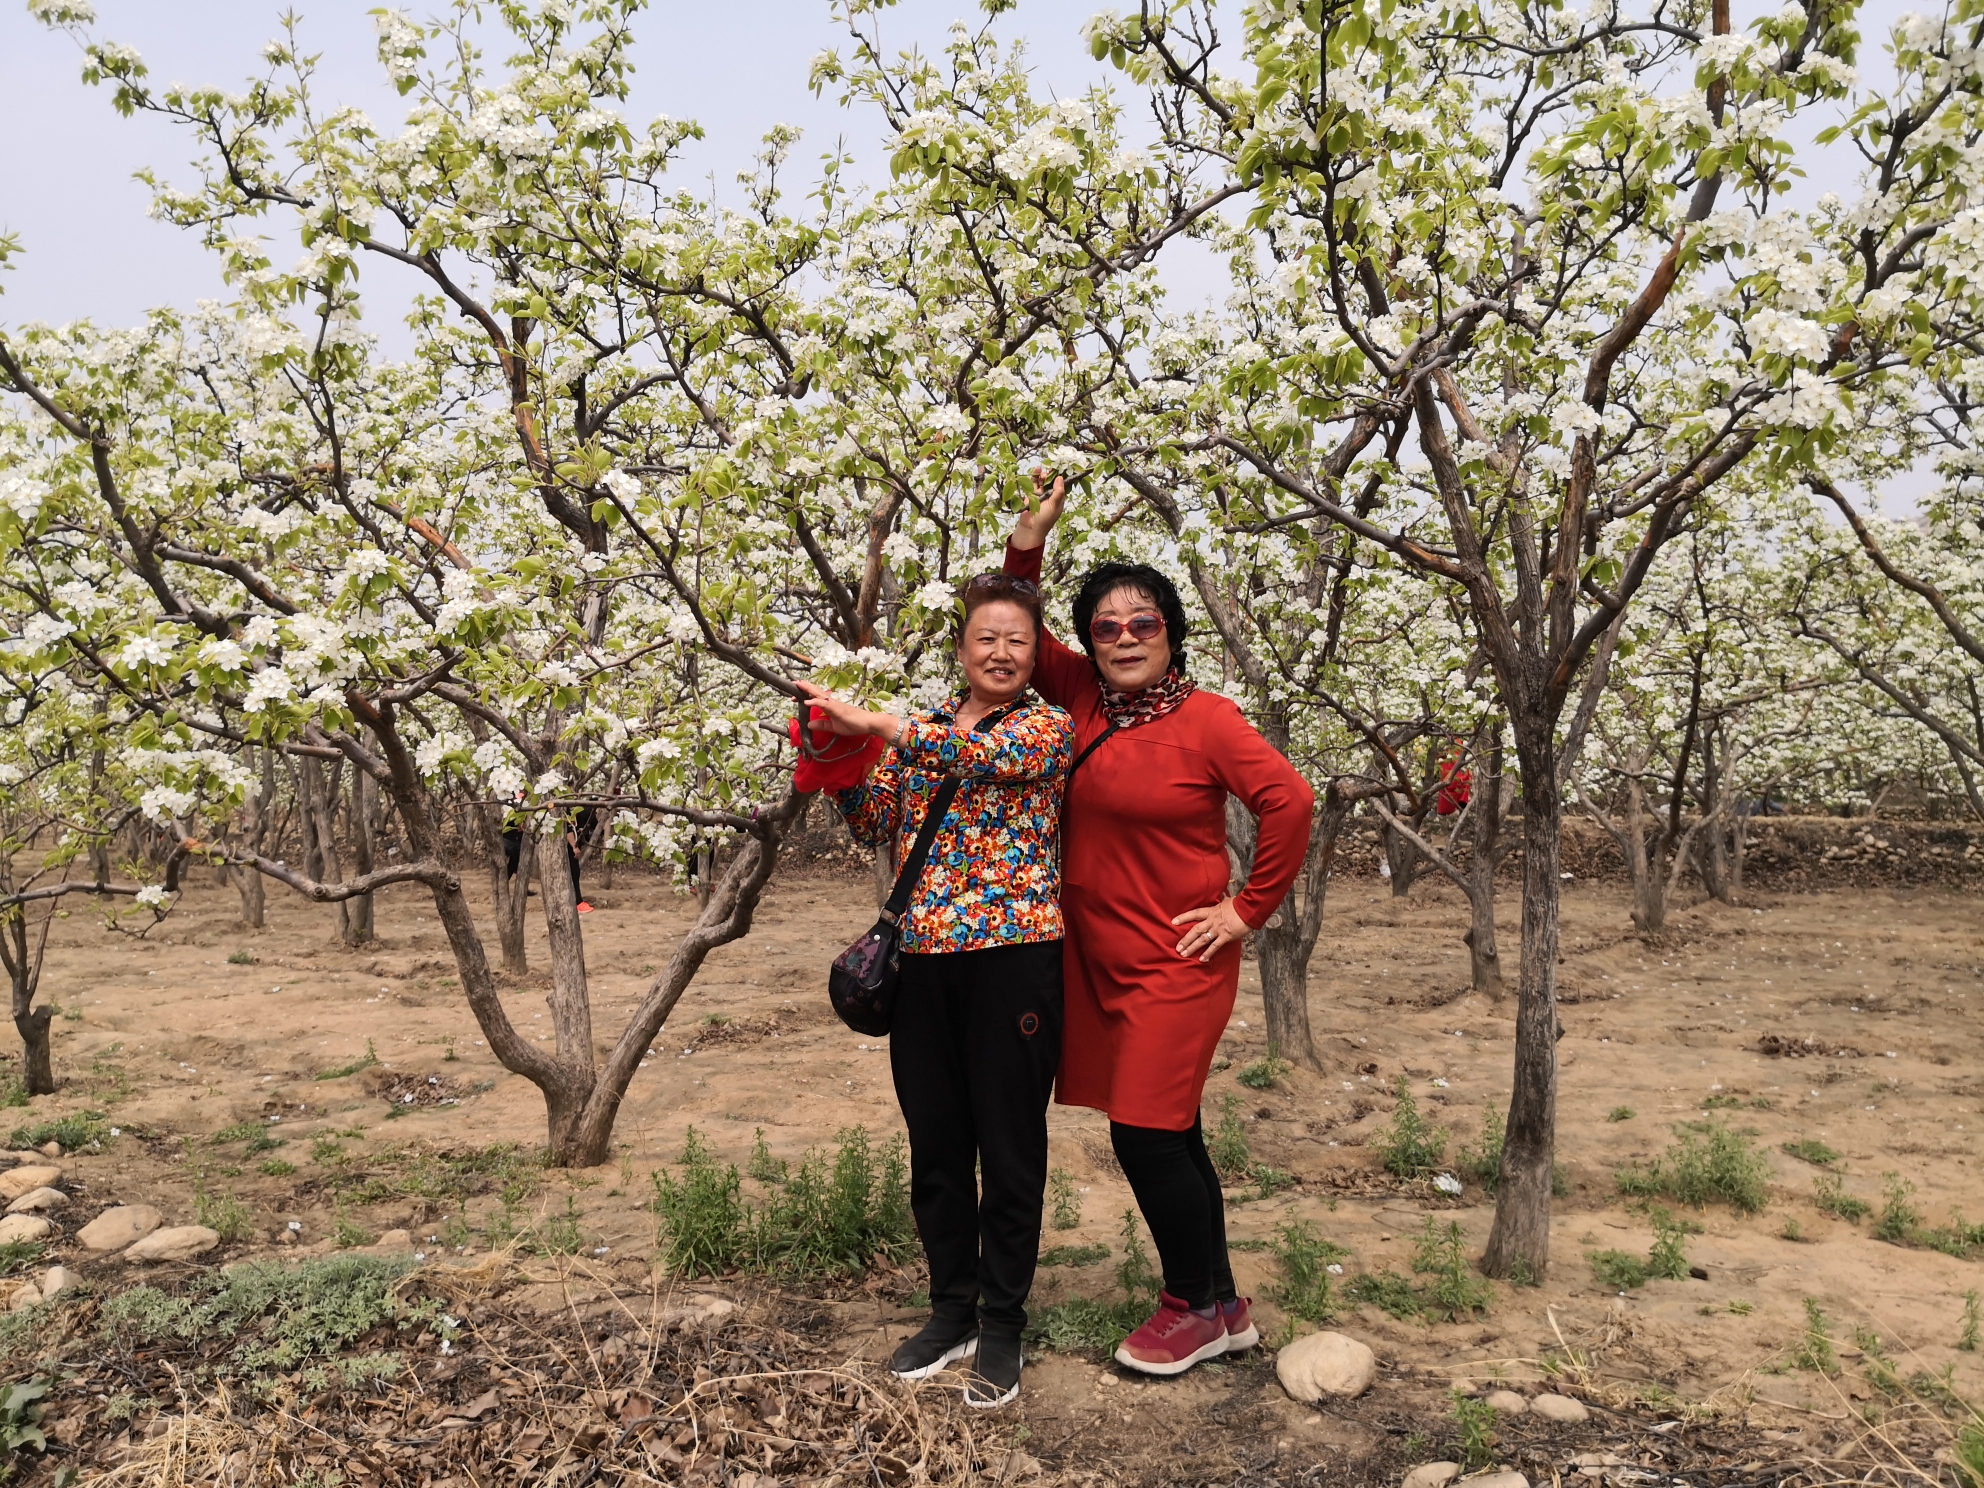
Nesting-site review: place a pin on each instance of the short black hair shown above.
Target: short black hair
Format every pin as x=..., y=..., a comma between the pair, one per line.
x=1106, y=578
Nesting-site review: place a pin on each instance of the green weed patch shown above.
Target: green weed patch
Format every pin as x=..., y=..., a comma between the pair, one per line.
x=1709, y=1162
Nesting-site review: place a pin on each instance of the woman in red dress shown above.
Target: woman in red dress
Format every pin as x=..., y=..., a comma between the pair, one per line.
x=1152, y=955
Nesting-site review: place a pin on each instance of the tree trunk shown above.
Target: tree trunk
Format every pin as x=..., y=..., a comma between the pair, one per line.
x=1643, y=860
x=1485, y=856
x=359, y=922
x=320, y=849
x=733, y=901
x=1402, y=857
x=24, y=973
x=883, y=870
x=248, y=881
x=1519, y=1243
x=509, y=893
x=37, y=1063
x=570, y=1004
x=1288, y=940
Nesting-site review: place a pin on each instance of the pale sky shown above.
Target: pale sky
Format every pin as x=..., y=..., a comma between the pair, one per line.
x=89, y=249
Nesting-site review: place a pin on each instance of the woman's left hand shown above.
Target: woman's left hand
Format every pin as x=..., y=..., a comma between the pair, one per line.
x=1213, y=929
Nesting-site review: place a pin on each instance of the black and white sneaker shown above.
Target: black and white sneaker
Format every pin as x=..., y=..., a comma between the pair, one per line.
x=940, y=1344
x=994, y=1379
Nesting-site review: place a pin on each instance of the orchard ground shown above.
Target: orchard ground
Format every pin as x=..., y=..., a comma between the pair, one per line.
x=205, y=1027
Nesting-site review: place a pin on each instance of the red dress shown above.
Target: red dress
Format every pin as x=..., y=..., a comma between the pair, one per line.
x=1144, y=839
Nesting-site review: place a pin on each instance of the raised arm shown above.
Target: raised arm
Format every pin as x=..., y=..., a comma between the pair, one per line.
x=1060, y=674
x=1035, y=744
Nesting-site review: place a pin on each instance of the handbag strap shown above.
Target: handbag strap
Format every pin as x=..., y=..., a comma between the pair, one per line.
x=933, y=823
x=1094, y=744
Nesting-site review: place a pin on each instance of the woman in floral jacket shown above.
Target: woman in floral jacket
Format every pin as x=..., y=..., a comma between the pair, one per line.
x=977, y=1033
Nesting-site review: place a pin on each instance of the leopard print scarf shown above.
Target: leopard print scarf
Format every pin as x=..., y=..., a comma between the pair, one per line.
x=1128, y=709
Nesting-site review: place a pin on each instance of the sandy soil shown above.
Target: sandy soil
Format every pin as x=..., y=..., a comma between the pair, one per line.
x=174, y=1040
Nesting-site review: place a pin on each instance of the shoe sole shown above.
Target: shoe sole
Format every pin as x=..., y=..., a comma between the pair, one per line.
x=1211, y=1350
x=958, y=1351
x=1239, y=1343
x=1006, y=1399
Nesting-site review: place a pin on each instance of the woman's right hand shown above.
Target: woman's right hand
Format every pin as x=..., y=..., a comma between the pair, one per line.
x=1031, y=530
x=847, y=718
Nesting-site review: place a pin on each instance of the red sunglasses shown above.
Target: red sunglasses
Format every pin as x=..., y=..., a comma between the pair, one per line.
x=1140, y=627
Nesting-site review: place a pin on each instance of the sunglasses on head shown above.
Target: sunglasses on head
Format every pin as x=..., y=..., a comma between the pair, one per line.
x=1004, y=582
x=1140, y=627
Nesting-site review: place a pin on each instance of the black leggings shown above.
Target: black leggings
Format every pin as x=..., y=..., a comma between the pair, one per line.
x=1178, y=1190
x=974, y=1047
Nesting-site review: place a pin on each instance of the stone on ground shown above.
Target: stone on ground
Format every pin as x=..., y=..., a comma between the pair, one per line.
x=394, y=1240
x=1431, y=1475
x=1321, y=1364
x=1506, y=1402
x=696, y=1311
x=38, y=1201
x=1499, y=1480
x=1560, y=1408
x=27, y=1180
x=175, y=1243
x=58, y=1280
x=51, y=1149
x=116, y=1228
x=23, y=1228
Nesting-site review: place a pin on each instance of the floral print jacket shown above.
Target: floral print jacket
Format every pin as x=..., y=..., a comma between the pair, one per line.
x=994, y=874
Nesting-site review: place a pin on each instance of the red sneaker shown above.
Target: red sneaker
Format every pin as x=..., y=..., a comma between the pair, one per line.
x=1241, y=1334
x=1173, y=1340
x=584, y=908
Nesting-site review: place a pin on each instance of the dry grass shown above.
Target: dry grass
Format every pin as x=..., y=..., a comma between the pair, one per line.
x=557, y=1374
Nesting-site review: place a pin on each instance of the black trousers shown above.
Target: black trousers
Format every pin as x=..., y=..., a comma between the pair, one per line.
x=974, y=1047
x=1177, y=1188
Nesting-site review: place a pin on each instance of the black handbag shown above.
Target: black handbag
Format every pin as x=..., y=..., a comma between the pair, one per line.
x=864, y=978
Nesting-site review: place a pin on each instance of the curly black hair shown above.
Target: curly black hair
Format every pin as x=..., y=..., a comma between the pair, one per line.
x=1106, y=578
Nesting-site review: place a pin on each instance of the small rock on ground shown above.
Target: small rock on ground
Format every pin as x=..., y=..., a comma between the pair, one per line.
x=1506, y=1402
x=116, y=1228
x=1431, y=1475
x=51, y=1149
x=27, y=1180
x=58, y=1280
x=696, y=1311
x=24, y=1227
x=38, y=1200
x=1321, y=1364
x=176, y=1243
x=1560, y=1408
x=1499, y=1480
